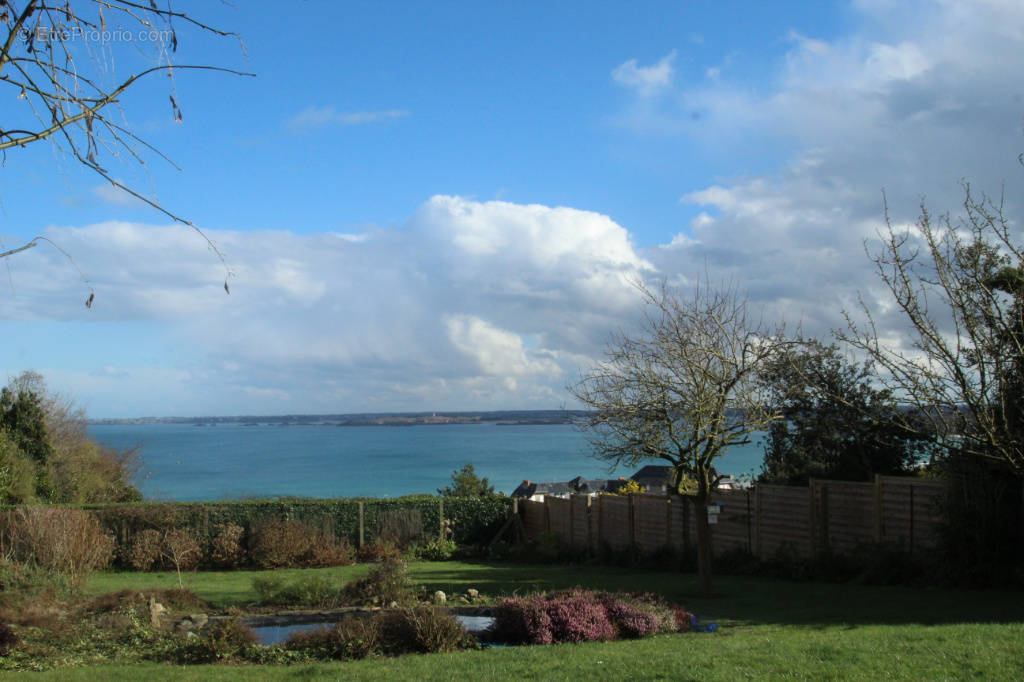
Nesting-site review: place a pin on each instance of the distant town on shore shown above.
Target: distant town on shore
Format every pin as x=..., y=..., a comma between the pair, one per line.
x=500, y=417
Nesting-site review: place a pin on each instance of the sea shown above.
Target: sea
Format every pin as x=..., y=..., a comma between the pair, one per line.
x=185, y=462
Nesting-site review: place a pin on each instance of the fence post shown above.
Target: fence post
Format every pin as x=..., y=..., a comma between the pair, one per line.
x=879, y=527
x=362, y=527
x=600, y=521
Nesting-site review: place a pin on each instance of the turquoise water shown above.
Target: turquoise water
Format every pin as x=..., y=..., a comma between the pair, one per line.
x=186, y=462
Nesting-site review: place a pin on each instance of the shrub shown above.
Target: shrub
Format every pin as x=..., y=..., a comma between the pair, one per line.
x=521, y=620
x=226, y=547
x=291, y=544
x=352, y=637
x=220, y=640
x=578, y=619
x=377, y=551
x=8, y=640
x=387, y=582
x=437, y=550
x=629, y=621
x=65, y=542
x=425, y=629
x=180, y=551
x=145, y=551
x=583, y=615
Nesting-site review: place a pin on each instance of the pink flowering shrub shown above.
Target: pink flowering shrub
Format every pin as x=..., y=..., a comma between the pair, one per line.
x=581, y=616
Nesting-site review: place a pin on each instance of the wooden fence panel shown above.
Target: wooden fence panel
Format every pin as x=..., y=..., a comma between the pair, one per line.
x=615, y=530
x=581, y=523
x=734, y=529
x=836, y=516
x=532, y=513
x=650, y=518
x=850, y=515
x=784, y=521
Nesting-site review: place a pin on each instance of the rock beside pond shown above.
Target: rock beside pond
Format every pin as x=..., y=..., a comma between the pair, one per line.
x=440, y=597
x=192, y=622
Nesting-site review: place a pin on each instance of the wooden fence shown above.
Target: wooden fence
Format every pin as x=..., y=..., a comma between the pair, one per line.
x=836, y=516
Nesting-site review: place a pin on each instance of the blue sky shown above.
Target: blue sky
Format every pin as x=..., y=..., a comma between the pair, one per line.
x=439, y=205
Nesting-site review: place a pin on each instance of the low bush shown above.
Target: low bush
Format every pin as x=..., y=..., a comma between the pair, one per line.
x=8, y=640
x=425, y=629
x=437, y=550
x=387, y=583
x=377, y=551
x=226, y=549
x=65, y=542
x=584, y=615
x=353, y=637
x=174, y=599
x=221, y=640
x=291, y=544
x=144, y=554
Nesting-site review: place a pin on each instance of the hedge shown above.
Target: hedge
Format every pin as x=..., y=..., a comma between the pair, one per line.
x=475, y=520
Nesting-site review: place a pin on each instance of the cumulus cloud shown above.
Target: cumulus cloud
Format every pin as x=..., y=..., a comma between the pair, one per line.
x=468, y=305
x=313, y=118
x=646, y=80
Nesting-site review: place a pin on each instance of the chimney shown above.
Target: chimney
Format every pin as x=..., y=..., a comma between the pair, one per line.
x=526, y=483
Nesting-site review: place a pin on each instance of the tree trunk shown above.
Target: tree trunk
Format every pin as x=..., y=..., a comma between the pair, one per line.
x=704, y=546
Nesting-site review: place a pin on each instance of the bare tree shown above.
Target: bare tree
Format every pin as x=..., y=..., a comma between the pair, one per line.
x=683, y=389
x=60, y=59
x=960, y=287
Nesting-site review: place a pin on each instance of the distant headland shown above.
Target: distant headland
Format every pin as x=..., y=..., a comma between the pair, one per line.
x=500, y=417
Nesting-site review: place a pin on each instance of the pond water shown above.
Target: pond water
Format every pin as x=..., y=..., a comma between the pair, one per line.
x=270, y=635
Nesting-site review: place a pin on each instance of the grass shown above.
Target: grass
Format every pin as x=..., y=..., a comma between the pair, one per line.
x=768, y=629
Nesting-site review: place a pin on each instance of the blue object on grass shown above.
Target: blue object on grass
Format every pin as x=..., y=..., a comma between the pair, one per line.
x=696, y=625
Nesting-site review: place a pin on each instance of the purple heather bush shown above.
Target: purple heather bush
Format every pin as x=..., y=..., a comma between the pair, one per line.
x=582, y=615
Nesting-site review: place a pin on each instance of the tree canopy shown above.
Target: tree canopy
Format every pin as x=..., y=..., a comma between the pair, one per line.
x=837, y=424
x=683, y=389
x=46, y=454
x=958, y=287
x=465, y=483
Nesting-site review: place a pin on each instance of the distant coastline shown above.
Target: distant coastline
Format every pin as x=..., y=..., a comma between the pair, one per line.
x=499, y=418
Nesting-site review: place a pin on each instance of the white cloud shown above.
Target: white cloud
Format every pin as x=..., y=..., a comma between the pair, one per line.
x=469, y=305
x=497, y=351
x=919, y=96
x=312, y=118
x=646, y=80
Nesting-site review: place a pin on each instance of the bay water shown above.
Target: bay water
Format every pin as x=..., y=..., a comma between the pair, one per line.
x=184, y=462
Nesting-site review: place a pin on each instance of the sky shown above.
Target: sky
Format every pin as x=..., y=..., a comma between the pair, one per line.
x=442, y=206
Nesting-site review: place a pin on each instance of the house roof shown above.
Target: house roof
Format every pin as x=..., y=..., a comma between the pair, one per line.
x=653, y=474
x=578, y=485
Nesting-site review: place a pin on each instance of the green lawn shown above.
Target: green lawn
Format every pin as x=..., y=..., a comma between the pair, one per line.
x=768, y=629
